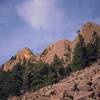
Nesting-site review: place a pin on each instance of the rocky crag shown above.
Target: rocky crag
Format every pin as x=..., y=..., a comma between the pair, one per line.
x=63, y=48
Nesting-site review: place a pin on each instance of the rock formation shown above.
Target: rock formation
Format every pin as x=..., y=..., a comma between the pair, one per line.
x=80, y=85
x=23, y=55
x=89, y=30
x=63, y=49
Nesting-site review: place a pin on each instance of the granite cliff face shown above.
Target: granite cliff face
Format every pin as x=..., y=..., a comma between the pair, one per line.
x=63, y=48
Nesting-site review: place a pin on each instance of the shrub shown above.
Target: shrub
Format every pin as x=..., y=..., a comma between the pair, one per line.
x=10, y=84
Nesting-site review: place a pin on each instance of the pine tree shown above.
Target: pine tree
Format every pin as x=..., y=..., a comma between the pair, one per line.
x=57, y=61
x=27, y=75
x=98, y=47
x=91, y=53
x=80, y=56
x=58, y=65
x=92, y=49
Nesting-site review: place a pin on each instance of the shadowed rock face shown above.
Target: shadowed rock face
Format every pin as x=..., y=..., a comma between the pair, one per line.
x=24, y=55
x=80, y=85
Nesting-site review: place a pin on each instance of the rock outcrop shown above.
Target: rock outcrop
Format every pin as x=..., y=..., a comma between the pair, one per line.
x=24, y=55
x=64, y=48
x=88, y=30
x=80, y=85
x=61, y=48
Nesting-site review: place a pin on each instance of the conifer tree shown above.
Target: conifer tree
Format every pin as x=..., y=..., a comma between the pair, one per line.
x=80, y=56
x=58, y=65
x=92, y=49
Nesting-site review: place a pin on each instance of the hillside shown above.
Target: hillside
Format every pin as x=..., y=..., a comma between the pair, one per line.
x=65, y=70
x=80, y=85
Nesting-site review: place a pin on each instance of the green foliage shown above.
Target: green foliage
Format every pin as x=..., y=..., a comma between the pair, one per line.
x=57, y=62
x=80, y=56
x=91, y=53
x=10, y=84
x=93, y=49
x=58, y=65
x=86, y=54
x=42, y=74
x=30, y=76
x=98, y=47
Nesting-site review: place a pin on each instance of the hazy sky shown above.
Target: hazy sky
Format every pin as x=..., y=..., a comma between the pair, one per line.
x=37, y=23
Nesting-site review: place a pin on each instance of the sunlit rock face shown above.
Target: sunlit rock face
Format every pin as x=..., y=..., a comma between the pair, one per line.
x=61, y=48
x=24, y=55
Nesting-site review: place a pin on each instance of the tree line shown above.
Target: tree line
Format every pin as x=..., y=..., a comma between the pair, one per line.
x=30, y=76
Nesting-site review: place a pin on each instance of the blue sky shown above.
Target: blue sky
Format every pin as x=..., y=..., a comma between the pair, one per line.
x=37, y=23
